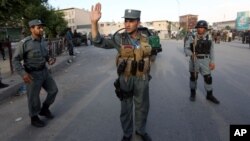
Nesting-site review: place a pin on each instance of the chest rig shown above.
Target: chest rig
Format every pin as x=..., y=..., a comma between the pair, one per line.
x=201, y=46
x=132, y=60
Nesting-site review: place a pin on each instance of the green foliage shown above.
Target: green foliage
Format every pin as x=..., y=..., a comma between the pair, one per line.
x=228, y=27
x=17, y=13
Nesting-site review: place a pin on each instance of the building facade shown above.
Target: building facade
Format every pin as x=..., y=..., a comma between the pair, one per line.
x=78, y=19
x=188, y=21
x=164, y=27
x=224, y=24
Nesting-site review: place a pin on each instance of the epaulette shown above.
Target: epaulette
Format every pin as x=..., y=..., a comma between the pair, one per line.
x=144, y=37
x=26, y=39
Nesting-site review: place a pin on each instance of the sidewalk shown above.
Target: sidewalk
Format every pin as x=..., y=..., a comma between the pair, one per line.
x=15, y=81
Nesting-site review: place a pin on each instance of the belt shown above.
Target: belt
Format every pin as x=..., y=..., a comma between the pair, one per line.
x=31, y=69
x=203, y=57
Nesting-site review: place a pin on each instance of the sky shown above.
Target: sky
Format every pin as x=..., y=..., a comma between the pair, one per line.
x=153, y=10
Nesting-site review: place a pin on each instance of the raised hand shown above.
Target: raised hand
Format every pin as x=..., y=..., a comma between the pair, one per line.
x=95, y=13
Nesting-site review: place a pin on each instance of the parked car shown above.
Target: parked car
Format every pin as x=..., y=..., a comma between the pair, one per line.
x=80, y=38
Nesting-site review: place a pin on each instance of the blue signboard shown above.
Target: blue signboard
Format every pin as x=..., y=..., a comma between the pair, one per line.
x=243, y=20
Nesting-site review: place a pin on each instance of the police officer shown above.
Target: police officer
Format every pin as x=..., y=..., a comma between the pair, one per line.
x=32, y=50
x=69, y=38
x=133, y=48
x=200, y=48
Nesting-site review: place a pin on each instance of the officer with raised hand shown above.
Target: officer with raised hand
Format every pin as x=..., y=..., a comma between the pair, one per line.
x=33, y=51
x=200, y=48
x=133, y=66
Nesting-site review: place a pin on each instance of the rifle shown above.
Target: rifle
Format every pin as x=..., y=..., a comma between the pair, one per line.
x=194, y=56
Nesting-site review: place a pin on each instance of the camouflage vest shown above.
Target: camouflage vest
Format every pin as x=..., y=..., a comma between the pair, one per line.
x=129, y=53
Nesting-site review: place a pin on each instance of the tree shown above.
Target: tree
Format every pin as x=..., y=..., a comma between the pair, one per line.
x=56, y=23
x=228, y=27
x=17, y=13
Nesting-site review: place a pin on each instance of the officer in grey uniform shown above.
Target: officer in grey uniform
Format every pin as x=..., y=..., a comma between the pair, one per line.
x=32, y=50
x=132, y=85
x=200, y=48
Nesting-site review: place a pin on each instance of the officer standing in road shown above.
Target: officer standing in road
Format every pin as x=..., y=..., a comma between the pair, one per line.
x=201, y=52
x=133, y=64
x=69, y=38
x=32, y=50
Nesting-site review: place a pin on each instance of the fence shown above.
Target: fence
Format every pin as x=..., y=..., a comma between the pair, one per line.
x=56, y=47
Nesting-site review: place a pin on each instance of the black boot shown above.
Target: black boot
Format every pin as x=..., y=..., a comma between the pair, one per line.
x=212, y=98
x=145, y=137
x=124, y=138
x=46, y=112
x=35, y=121
x=2, y=85
x=192, y=96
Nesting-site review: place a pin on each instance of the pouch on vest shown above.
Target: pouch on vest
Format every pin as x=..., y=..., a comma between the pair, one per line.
x=145, y=47
x=121, y=67
x=141, y=63
x=133, y=67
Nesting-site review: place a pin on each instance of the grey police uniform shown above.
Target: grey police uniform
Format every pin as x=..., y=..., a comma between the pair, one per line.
x=137, y=86
x=204, y=49
x=34, y=54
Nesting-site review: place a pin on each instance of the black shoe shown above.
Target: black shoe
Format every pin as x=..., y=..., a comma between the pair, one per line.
x=2, y=85
x=192, y=96
x=46, y=112
x=35, y=121
x=213, y=99
x=145, y=137
x=124, y=138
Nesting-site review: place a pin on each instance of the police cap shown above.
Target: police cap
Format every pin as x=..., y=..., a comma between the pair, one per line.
x=132, y=14
x=35, y=22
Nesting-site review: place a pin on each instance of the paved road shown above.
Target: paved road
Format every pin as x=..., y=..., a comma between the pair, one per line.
x=87, y=109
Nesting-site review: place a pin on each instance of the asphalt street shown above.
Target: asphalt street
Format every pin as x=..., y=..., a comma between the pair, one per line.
x=87, y=109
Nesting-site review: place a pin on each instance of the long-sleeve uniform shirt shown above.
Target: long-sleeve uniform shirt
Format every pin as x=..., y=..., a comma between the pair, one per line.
x=33, y=52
